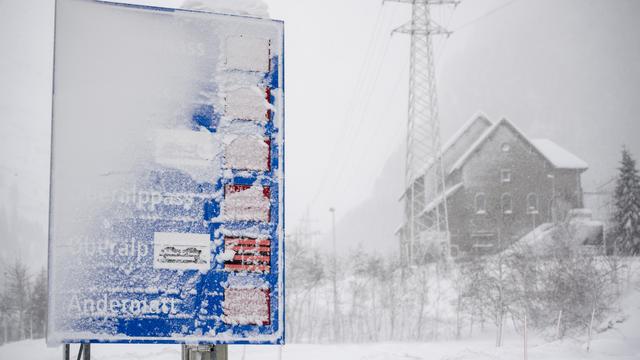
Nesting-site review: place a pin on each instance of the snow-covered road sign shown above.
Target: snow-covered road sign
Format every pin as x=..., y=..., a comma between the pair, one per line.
x=167, y=182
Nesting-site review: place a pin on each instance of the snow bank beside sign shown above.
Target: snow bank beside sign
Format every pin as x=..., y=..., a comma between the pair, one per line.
x=166, y=220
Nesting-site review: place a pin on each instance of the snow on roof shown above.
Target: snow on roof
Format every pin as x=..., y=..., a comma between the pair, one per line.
x=559, y=157
x=479, y=116
x=474, y=146
x=450, y=191
x=398, y=229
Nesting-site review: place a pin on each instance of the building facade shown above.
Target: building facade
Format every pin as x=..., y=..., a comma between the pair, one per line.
x=501, y=185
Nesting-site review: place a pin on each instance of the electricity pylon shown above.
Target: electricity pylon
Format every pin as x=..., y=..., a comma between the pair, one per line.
x=424, y=173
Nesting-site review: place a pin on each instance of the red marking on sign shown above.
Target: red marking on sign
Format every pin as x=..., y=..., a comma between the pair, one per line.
x=246, y=241
x=247, y=249
x=252, y=255
x=268, y=142
x=268, y=97
x=230, y=189
x=251, y=258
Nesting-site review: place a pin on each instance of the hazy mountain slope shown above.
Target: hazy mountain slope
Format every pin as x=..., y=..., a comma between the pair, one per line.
x=25, y=110
x=372, y=223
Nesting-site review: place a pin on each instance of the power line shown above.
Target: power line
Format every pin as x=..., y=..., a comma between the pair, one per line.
x=487, y=14
x=377, y=126
x=443, y=47
x=352, y=106
x=395, y=137
x=362, y=117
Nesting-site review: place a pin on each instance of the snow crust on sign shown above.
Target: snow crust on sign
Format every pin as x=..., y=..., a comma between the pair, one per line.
x=245, y=282
x=255, y=232
x=246, y=300
x=245, y=306
x=247, y=103
x=197, y=153
x=238, y=7
x=141, y=149
x=247, y=152
x=248, y=53
x=559, y=157
x=246, y=205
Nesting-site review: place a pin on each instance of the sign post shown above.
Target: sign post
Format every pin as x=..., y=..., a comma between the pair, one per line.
x=167, y=178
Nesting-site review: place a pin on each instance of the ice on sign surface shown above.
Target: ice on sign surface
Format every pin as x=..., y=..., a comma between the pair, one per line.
x=246, y=306
x=246, y=203
x=248, y=152
x=247, y=103
x=248, y=53
x=193, y=152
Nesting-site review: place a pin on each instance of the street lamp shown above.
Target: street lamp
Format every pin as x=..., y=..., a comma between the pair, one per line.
x=336, y=316
x=553, y=197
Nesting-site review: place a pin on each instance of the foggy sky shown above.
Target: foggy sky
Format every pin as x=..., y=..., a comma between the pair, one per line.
x=568, y=70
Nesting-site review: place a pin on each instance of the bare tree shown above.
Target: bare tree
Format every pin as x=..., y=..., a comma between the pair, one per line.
x=5, y=314
x=18, y=291
x=37, y=311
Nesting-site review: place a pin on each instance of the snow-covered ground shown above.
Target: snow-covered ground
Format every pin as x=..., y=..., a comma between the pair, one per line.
x=617, y=338
x=621, y=342
x=608, y=346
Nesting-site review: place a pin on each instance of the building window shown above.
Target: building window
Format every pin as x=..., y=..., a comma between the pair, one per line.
x=505, y=201
x=481, y=203
x=455, y=251
x=505, y=147
x=532, y=203
x=505, y=175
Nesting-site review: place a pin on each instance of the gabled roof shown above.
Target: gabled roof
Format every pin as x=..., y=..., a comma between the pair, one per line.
x=559, y=157
x=446, y=148
x=479, y=116
x=553, y=153
x=463, y=159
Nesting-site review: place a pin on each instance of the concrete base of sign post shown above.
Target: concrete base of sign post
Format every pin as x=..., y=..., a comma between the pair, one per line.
x=85, y=349
x=204, y=352
x=189, y=352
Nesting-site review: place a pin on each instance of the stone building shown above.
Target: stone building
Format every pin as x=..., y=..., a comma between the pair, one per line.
x=501, y=185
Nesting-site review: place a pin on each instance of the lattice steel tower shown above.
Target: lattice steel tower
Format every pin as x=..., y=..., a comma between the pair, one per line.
x=424, y=175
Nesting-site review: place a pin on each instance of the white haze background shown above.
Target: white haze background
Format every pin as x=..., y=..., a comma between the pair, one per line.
x=565, y=70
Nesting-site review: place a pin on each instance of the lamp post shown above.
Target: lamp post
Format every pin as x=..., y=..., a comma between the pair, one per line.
x=553, y=197
x=336, y=316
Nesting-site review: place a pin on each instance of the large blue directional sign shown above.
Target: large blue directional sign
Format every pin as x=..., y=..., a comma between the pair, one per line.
x=167, y=182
